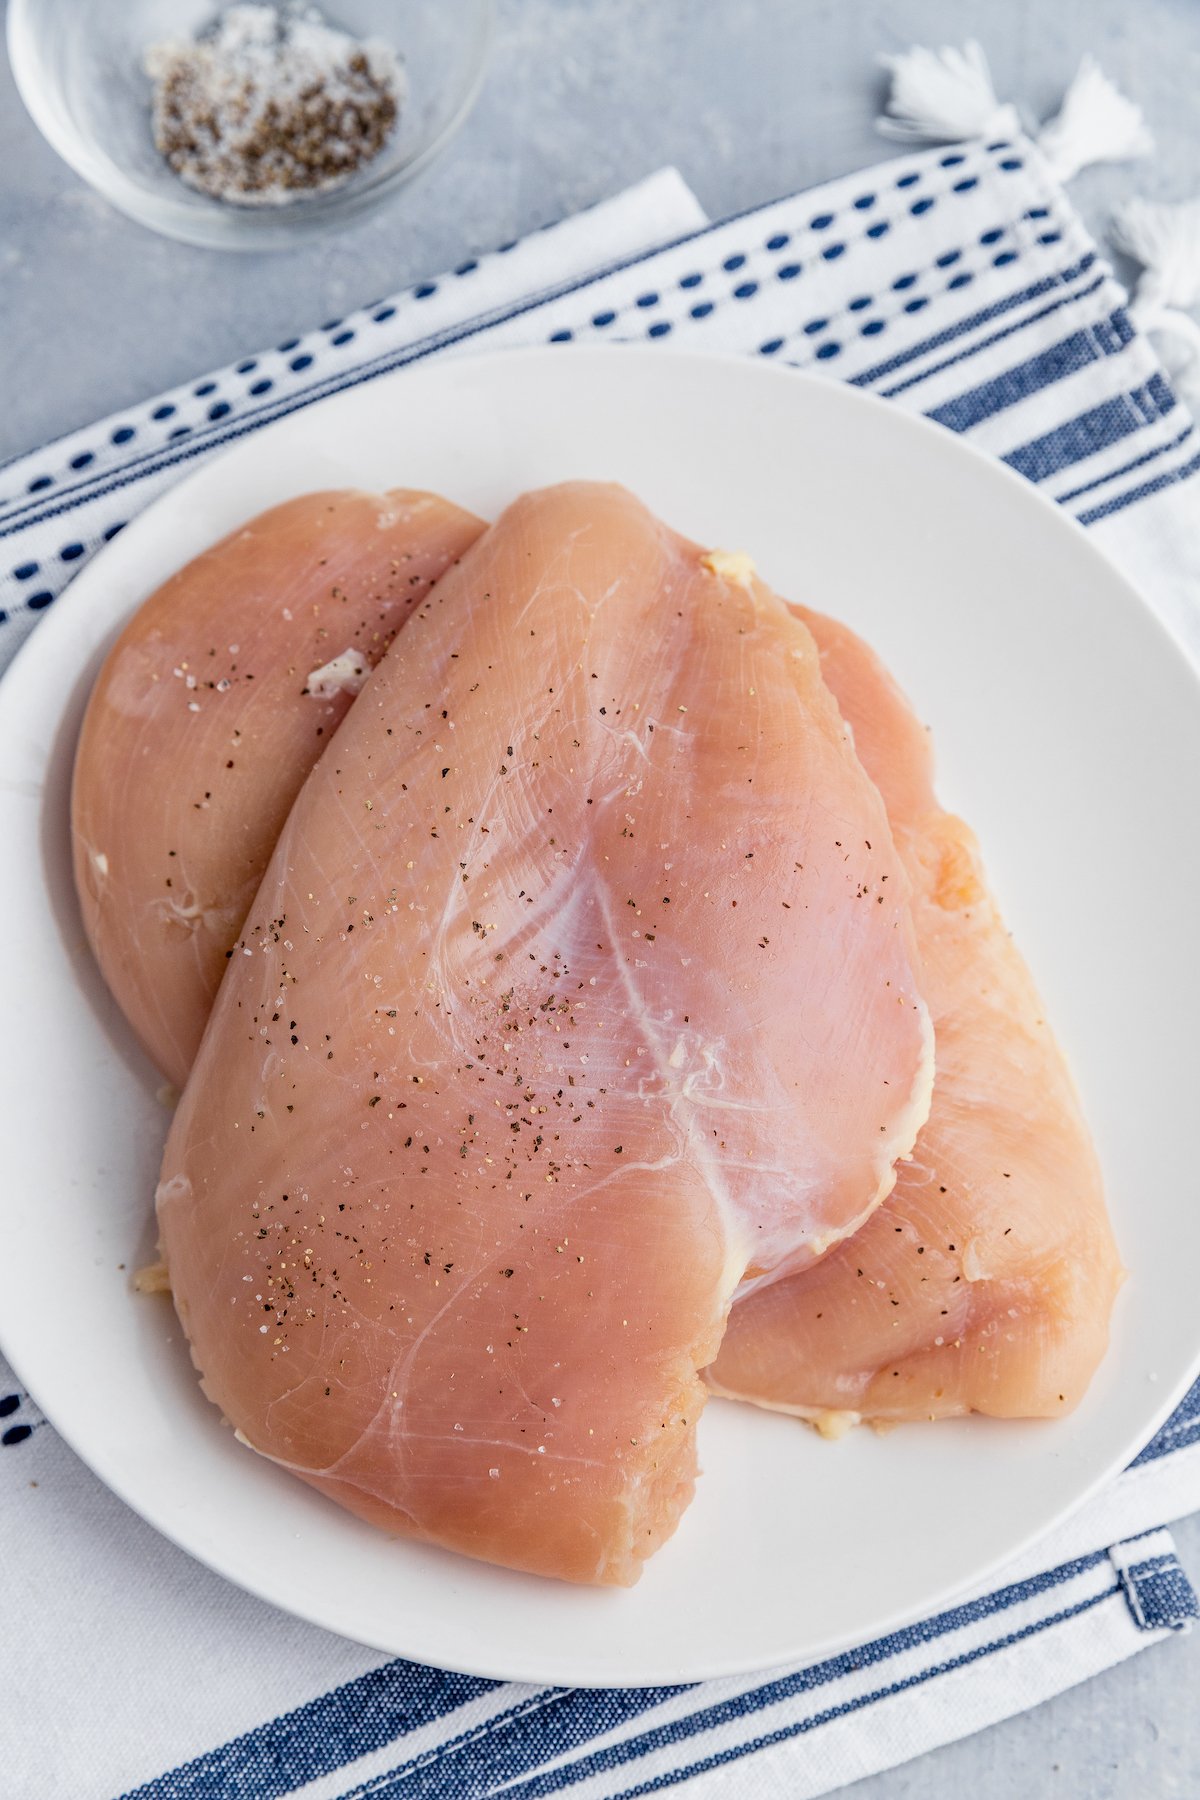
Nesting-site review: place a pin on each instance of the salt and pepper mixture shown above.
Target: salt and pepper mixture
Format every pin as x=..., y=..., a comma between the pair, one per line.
x=270, y=103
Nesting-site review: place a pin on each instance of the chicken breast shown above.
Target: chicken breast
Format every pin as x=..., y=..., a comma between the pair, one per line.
x=578, y=991
x=985, y=1283
x=210, y=710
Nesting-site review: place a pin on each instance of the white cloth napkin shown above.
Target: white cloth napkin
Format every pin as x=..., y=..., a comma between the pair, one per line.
x=960, y=283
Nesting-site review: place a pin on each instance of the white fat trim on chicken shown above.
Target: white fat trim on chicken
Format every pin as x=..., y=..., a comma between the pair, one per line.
x=153, y=1279
x=736, y=566
x=830, y=1423
x=344, y=674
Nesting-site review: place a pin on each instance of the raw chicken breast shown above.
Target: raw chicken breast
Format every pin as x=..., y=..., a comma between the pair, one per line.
x=210, y=710
x=579, y=985
x=985, y=1283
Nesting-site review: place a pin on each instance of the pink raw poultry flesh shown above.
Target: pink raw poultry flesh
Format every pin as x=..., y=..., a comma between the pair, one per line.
x=578, y=993
x=986, y=1280
x=211, y=708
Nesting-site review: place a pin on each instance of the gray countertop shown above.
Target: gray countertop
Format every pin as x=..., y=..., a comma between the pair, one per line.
x=750, y=98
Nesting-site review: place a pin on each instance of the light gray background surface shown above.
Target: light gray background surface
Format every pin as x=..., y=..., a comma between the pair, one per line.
x=750, y=98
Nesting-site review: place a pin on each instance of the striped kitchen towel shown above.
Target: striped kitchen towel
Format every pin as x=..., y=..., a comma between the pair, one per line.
x=958, y=282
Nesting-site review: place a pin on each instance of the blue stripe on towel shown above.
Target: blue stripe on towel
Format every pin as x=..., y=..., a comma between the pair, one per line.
x=1127, y=468
x=1142, y=492
x=1055, y=363
x=329, y=1732
x=1050, y=284
x=1092, y=430
x=993, y=338
x=480, y=1760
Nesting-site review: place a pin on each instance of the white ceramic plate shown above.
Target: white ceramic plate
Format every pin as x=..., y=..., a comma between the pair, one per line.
x=1068, y=729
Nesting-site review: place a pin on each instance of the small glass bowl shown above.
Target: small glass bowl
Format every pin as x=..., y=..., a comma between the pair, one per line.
x=78, y=67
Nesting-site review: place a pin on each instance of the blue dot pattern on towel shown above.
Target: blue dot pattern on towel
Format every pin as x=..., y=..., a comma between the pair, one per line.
x=817, y=281
x=24, y=1416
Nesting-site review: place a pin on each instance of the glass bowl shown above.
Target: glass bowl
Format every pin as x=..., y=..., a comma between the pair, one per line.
x=78, y=67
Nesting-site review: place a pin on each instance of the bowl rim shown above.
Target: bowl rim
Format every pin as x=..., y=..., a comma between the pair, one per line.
x=211, y=224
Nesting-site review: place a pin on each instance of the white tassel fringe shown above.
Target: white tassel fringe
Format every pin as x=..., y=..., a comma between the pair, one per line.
x=947, y=96
x=1095, y=123
x=1165, y=239
x=944, y=96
